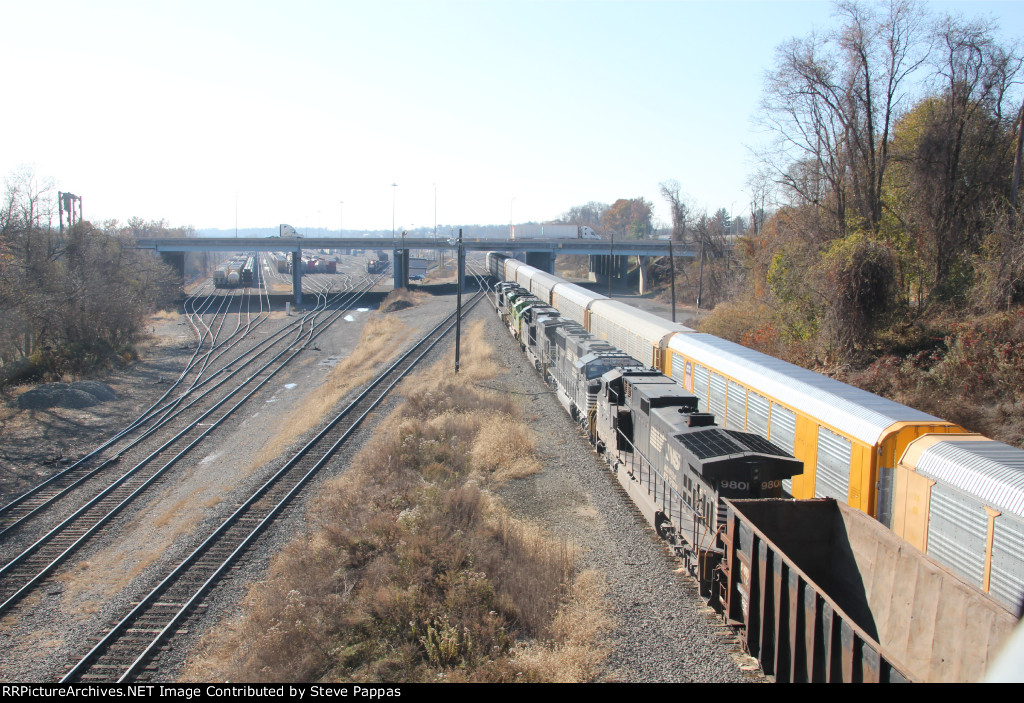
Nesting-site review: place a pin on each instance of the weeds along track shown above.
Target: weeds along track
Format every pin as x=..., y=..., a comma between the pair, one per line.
x=161, y=447
x=123, y=653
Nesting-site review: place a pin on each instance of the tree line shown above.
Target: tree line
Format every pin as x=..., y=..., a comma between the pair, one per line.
x=72, y=299
x=896, y=140
x=885, y=243
x=704, y=269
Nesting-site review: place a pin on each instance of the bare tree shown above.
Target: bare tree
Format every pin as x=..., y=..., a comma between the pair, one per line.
x=678, y=208
x=831, y=102
x=68, y=299
x=588, y=215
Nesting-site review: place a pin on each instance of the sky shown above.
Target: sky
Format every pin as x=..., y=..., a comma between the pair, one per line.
x=251, y=114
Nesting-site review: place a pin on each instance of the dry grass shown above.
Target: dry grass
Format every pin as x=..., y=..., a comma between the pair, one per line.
x=412, y=572
x=382, y=339
x=401, y=298
x=577, y=649
x=503, y=450
x=446, y=274
x=111, y=570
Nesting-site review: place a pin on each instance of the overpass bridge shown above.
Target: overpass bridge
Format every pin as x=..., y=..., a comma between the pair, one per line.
x=608, y=256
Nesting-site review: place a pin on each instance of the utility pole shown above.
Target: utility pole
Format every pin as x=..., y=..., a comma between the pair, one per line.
x=611, y=248
x=672, y=268
x=700, y=285
x=458, y=300
x=394, y=191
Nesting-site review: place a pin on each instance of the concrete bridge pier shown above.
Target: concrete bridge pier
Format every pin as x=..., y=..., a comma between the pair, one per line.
x=176, y=260
x=643, y=273
x=543, y=260
x=400, y=267
x=603, y=265
x=297, y=276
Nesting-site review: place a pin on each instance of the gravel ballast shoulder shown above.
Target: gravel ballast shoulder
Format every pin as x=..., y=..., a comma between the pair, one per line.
x=662, y=631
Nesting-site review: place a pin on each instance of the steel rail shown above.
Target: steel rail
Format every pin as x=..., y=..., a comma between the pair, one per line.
x=78, y=473
x=141, y=419
x=36, y=499
x=367, y=401
x=130, y=479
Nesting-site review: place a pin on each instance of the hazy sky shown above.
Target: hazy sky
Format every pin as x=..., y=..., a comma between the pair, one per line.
x=178, y=110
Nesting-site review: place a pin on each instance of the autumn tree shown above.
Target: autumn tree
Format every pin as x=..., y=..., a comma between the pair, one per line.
x=955, y=152
x=627, y=219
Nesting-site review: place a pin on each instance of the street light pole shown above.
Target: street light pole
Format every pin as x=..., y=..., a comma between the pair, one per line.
x=510, y=230
x=341, y=231
x=394, y=190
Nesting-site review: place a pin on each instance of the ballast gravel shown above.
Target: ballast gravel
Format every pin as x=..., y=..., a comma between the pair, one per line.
x=662, y=630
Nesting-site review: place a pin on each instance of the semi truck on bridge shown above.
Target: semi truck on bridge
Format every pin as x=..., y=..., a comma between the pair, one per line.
x=532, y=231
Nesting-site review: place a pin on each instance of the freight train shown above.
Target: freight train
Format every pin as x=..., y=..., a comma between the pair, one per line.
x=239, y=271
x=282, y=263
x=956, y=496
x=680, y=465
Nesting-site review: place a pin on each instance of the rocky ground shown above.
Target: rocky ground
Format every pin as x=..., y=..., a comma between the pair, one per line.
x=662, y=632
x=36, y=442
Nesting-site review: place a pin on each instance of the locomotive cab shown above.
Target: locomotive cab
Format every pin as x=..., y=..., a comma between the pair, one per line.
x=614, y=417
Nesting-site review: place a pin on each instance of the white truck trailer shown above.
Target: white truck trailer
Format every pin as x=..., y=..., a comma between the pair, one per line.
x=532, y=231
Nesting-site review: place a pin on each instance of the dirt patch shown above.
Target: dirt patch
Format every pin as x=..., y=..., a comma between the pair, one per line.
x=36, y=442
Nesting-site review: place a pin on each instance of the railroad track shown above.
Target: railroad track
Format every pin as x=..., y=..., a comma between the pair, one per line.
x=41, y=496
x=167, y=408
x=123, y=653
x=27, y=571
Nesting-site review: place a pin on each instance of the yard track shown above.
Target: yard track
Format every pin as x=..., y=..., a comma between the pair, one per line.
x=123, y=653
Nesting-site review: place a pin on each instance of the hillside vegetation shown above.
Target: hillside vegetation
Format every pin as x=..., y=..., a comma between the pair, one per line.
x=72, y=300
x=895, y=260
